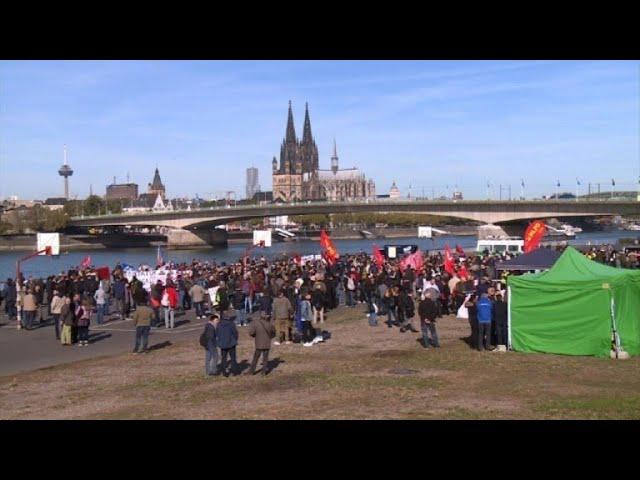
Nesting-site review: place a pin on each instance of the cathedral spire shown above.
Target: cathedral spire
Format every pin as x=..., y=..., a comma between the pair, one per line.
x=334, y=158
x=291, y=131
x=306, y=134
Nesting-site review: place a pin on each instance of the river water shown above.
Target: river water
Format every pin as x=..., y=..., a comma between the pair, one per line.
x=44, y=266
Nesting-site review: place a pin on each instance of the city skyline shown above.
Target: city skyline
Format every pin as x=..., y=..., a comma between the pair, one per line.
x=204, y=123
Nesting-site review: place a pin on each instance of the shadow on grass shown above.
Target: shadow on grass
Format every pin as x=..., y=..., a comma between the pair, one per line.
x=159, y=346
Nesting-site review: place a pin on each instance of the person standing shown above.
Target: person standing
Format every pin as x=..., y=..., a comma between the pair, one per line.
x=239, y=303
x=391, y=303
x=306, y=317
x=169, y=303
x=29, y=307
x=485, y=315
x=263, y=331
x=318, y=303
x=211, y=357
x=57, y=302
x=282, y=311
x=142, y=318
x=227, y=339
x=101, y=300
x=428, y=312
x=197, y=293
x=67, y=319
x=500, y=318
x=473, y=319
x=408, y=307
x=119, y=295
x=83, y=313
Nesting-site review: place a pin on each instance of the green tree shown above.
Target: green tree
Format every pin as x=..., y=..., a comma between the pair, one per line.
x=93, y=205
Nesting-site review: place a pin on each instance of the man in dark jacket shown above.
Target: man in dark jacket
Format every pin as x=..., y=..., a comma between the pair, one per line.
x=500, y=319
x=227, y=339
x=211, y=359
x=428, y=312
x=263, y=331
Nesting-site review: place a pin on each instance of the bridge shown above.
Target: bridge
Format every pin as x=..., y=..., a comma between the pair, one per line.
x=200, y=222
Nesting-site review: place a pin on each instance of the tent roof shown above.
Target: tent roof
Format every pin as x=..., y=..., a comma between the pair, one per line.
x=538, y=259
x=573, y=268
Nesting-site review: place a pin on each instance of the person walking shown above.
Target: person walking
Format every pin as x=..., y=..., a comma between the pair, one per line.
x=210, y=338
x=263, y=331
x=142, y=318
x=227, y=339
x=282, y=311
x=485, y=316
x=57, y=302
x=197, y=293
x=67, y=320
x=428, y=312
x=101, y=301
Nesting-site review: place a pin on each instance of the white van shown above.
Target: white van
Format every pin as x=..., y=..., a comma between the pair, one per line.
x=501, y=246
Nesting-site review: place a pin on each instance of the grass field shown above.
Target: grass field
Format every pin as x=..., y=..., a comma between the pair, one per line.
x=359, y=373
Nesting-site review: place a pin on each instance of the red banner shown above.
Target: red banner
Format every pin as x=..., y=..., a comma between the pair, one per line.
x=533, y=235
x=103, y=273
x=331, y=253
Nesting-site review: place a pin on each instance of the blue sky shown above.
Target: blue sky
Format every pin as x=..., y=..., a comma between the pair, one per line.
x=431, y=124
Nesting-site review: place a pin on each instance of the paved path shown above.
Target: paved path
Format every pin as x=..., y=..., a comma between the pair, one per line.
x=22, y=350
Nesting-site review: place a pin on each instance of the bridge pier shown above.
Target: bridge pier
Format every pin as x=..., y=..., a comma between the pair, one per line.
x=180, y=238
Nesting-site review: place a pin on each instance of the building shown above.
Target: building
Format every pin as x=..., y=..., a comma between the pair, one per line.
x=55, y=203
x=122, y=191
x=297, y=177
x=65, y=171
x=156, y=187
x=394, y=192
x=252, y=183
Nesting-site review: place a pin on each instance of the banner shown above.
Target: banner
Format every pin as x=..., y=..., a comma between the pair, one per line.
x=533, y=235
x=103, y=273
x=86, y=263
x=413, y=260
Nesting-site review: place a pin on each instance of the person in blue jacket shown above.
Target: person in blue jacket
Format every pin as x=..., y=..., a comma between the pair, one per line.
x=485, y=315
x=227, y=339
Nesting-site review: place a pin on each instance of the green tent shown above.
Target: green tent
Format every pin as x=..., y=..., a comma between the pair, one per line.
x=575, y=308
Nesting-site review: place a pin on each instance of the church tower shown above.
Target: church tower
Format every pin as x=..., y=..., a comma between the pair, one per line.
x=334, y=158
x=287, y=179
x=308, y=149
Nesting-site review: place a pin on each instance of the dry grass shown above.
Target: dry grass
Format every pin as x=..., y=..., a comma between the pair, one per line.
x=360, y=373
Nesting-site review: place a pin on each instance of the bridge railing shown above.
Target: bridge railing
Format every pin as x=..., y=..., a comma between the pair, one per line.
x=384, y=201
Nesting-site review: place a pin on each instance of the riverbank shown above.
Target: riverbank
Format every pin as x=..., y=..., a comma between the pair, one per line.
x=360, y=372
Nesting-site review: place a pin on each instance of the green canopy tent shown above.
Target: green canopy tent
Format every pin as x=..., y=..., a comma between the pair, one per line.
x=575, y=308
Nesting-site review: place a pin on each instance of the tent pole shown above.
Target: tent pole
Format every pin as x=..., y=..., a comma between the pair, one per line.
x=616, y=338
x=508, y=317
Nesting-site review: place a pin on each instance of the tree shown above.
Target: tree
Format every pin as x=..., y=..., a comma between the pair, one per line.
x=93, y=205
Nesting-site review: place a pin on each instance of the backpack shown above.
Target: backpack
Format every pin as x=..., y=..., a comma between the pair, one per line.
x=203, y=339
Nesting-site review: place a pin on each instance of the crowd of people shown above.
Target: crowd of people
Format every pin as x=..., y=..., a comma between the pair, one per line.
x=283, y=299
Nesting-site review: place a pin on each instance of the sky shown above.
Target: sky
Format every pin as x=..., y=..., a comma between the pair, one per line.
x=430, y=126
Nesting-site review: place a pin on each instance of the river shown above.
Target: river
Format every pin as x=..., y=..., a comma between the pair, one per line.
x=44, y=266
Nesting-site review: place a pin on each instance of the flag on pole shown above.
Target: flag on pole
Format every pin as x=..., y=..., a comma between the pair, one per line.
x=613, y=182
x=522, y=182
x=86, y=263
x=459, y=250
x=578, y=182
x=532, y=236
x=413, y=260
x=377, y=256
x=331, y=253
x=558, y=184
x=159, y=259
x=448, y=260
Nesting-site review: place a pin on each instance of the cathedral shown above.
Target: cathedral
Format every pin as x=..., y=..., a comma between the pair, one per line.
x=298, y=176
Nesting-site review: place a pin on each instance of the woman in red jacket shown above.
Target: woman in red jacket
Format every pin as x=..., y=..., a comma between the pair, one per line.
x=169, y=304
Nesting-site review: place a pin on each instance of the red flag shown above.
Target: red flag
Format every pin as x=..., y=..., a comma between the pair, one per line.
x=413, y=260
x=460, y=250
x=462, y=272
x=377, y=255
x=533, y=235
x=86, y=263
x=103, y=273
x=331, y=253
x=448, y=260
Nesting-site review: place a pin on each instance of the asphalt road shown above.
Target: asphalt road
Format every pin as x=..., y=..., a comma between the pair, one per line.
x=25, y=350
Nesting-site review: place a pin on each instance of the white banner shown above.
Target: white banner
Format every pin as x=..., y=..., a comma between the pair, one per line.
x=48, y=240
x=262, y=236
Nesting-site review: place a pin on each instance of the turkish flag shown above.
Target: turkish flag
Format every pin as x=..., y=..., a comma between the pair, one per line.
x=533, y=235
